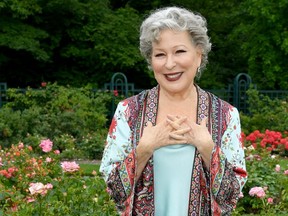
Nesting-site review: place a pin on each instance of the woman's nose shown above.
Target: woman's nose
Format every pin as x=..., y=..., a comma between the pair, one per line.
x=170, y=62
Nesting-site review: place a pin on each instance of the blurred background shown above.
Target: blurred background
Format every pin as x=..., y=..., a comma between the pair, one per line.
x=84, y=42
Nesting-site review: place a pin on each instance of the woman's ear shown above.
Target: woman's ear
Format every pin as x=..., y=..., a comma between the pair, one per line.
x=199, y=55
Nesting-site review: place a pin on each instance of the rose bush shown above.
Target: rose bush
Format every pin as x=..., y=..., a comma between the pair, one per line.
x=33, y=184
x=74, y=118
x=42, y=184
x=266, y=191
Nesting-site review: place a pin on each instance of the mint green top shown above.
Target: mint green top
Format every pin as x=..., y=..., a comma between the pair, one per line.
x=172, y=179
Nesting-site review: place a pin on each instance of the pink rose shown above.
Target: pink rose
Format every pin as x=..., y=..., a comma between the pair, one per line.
x=37, y=188
x=21, y=145
x=270, y=200
x=70, y=166
x=56, y=152
x=257, y=191
x=46, y=145
x=48, y=159
x=48, y=186
x=241, y=195
x=286, y=172
x=1, y=162
x=30, y=199
x=12, y=170
x=277, y=168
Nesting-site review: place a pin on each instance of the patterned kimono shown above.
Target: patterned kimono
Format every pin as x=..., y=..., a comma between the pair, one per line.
x=212, y=192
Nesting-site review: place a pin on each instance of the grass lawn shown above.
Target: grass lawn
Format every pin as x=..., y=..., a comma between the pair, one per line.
x=88, y=168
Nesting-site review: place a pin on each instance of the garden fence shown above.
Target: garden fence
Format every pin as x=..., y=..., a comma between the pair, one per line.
x=235, y=93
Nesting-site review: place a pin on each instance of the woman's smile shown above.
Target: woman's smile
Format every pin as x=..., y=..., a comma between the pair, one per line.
x=173, y=76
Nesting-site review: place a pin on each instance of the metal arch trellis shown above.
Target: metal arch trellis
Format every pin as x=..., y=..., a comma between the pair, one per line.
x=241, y=83
x=118, y=83
x=119, y=80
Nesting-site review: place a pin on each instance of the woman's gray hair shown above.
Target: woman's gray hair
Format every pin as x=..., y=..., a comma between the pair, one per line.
x=178, y=19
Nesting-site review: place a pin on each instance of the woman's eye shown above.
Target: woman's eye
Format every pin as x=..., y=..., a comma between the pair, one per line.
x=159, y=54
x=180, y=51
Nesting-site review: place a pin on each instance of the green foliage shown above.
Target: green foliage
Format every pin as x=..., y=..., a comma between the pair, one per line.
x=60, y=191
x=21, y=9
x=89, y=167
x=225, y=60
x=262, y=34
x=260, y=166
x=18, y=36
x=74, y=118
x=264, y=113
x=72, y=42
x=78, y=42
x=71, y=198
x=89, y=144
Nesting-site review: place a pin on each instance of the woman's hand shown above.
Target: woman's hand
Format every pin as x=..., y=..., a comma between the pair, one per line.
x=154, y=137
x=191, y=133
x=157, y=136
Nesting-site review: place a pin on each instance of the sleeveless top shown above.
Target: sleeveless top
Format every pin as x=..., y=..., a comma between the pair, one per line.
x=172, y=179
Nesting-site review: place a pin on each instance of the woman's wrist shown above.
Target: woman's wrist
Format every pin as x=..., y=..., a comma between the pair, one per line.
x=144, y=149
x=142, y=156
x=206, y=152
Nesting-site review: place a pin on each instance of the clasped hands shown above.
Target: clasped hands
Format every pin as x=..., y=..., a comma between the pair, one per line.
x=188, y=132
x=177, y=130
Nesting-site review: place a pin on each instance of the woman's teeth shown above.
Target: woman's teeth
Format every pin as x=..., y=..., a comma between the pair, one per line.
x=173, y=77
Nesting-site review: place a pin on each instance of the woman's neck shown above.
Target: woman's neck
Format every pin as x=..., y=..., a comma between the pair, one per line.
x=178, y=97
x=181, y=104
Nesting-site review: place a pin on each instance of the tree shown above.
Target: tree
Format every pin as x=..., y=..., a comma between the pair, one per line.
x=264, y=41
x=81, y=42
x=72, y=42
x=19, y=40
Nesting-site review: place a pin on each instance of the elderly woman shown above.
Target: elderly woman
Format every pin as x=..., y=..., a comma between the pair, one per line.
x=175, y=149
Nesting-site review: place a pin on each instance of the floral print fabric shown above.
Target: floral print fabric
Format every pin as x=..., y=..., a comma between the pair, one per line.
x=212, y=192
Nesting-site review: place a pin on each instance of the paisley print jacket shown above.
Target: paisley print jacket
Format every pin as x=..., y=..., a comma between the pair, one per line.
x=212, y=192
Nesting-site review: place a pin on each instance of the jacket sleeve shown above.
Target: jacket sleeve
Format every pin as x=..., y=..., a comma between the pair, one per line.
x=118, y=161
x=227, y=170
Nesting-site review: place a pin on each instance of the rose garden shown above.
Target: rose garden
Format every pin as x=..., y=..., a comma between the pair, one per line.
x=52, y=140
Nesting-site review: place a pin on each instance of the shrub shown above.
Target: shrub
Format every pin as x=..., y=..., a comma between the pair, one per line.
x=264, y=113
x=69, y=116
x=41, y=185
x=266, y=191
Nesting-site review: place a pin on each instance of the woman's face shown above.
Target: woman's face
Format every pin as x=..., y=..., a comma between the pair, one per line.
x=175, y=61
